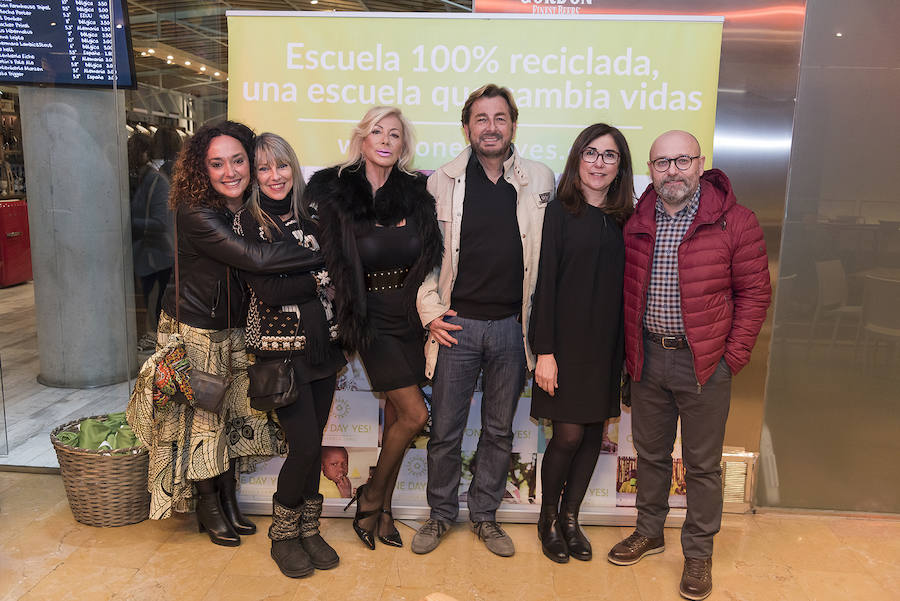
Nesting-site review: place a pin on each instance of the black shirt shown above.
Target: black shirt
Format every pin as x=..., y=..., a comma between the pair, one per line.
x=383, y=249
x=491, y=270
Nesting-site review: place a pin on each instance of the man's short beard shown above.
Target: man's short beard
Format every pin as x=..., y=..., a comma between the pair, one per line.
x=503, y=153
x=674, y=200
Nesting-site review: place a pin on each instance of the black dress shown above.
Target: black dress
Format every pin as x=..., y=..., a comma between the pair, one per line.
x=376, y=311
x=577, y=314
x=395, y=357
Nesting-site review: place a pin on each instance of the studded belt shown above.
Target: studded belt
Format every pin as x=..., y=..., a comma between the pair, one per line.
x=667, y=342
x=391, y=279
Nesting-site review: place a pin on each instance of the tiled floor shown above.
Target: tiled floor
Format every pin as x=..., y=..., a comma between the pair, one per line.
x=33, y=410
x=45, y=555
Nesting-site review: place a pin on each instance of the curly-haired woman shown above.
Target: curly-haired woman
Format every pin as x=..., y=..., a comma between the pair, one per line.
x=194, y=452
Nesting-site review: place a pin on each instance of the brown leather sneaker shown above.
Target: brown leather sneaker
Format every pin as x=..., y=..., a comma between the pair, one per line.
x=696, y=580
x=632, y=549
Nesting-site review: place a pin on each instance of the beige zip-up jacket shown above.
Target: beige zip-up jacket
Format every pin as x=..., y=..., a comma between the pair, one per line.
x=535, y=187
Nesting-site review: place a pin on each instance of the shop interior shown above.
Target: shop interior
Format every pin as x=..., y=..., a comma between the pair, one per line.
x=834, y=251
x=806, y=129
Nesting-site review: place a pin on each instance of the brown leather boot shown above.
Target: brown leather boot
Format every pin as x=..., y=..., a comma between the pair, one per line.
x=632, y=549
x=696, y=579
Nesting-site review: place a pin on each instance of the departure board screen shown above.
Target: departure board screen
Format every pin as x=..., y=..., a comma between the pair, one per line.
x=65, y=42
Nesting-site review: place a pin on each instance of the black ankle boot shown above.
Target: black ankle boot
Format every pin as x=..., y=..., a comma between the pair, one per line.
x=578, y=544
x=552, y=543
x=211, y=519
x=323, y=556
x=289, y=555
x=228, y=498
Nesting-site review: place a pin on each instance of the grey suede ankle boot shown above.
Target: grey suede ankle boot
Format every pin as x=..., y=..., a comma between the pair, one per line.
x=287, y=551
x=323, y=556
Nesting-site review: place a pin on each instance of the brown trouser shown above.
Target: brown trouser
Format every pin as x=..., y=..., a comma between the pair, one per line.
x=668, y=389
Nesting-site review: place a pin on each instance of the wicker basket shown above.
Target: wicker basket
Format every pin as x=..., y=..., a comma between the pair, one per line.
x=106, y=487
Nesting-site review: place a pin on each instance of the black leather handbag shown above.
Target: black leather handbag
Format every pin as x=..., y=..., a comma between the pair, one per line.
x=272, y=383
x=209, y=390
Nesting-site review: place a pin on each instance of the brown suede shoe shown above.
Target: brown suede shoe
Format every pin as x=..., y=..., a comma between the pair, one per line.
x=632, y=549
x=696, y=579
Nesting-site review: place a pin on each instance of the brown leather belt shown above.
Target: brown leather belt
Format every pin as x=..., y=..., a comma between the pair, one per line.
x=391, y=279
x=667, y=342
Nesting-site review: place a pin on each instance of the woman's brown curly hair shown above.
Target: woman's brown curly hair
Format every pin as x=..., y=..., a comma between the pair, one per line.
x=190, y=183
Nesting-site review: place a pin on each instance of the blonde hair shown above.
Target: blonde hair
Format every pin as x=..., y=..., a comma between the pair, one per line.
x=268, y=148
x=372, y=117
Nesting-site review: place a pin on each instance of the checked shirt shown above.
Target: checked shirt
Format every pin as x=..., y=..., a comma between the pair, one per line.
x=663, y=314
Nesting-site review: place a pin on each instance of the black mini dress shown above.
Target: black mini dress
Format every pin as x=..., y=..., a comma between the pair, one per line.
x=396, y=356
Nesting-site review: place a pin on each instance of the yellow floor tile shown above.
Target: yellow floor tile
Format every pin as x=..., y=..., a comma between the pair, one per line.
x=239, y=587
x=35, y=551
x=68, y=582
x=422, y=594
x=840, y=586
x=806, y=542
x=25, y=497
x=45, y=554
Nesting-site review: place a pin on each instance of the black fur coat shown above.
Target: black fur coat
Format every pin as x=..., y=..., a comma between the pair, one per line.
x=345, y=206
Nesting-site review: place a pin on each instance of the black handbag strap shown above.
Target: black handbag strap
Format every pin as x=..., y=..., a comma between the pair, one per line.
x=294, y=341
x=178, y=296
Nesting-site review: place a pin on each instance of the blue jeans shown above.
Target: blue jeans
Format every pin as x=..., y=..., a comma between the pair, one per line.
x=497, y=349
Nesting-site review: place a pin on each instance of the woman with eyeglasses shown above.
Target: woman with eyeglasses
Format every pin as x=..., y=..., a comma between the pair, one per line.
x=577, y=329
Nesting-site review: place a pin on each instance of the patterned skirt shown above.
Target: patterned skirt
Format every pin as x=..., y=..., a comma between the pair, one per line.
x=189, y=444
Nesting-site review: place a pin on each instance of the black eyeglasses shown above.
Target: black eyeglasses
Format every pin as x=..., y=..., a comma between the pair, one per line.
x=591, y=154
x=682, y=162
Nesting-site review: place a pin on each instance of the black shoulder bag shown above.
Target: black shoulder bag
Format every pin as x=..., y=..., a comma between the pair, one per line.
x=272, y=383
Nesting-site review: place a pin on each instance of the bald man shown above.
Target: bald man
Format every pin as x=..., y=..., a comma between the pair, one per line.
x=696, y=294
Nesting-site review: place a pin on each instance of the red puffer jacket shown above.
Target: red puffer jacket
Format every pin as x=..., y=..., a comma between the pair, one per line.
x=723, y=276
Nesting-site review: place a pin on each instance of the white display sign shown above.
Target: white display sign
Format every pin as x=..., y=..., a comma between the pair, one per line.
x=259, y=486
x=353, y=421
x=413, y=478
x=353, y=376
x=601, y=491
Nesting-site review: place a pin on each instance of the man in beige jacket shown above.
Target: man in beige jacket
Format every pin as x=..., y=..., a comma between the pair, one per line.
x=476, y=308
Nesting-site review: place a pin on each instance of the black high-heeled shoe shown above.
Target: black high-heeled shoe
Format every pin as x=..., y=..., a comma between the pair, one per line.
x=366, y=536
x=211, y=520
x=228, y=501
x=393, y=539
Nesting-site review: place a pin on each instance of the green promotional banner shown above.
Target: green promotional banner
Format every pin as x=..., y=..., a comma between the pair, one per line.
x=310, y=77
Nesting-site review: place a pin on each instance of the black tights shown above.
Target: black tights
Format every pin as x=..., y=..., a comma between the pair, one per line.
x=303, y=423
x=569, y=462
x=403, y=421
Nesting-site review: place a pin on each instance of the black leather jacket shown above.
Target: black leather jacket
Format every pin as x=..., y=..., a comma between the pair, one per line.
x=207, y=246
